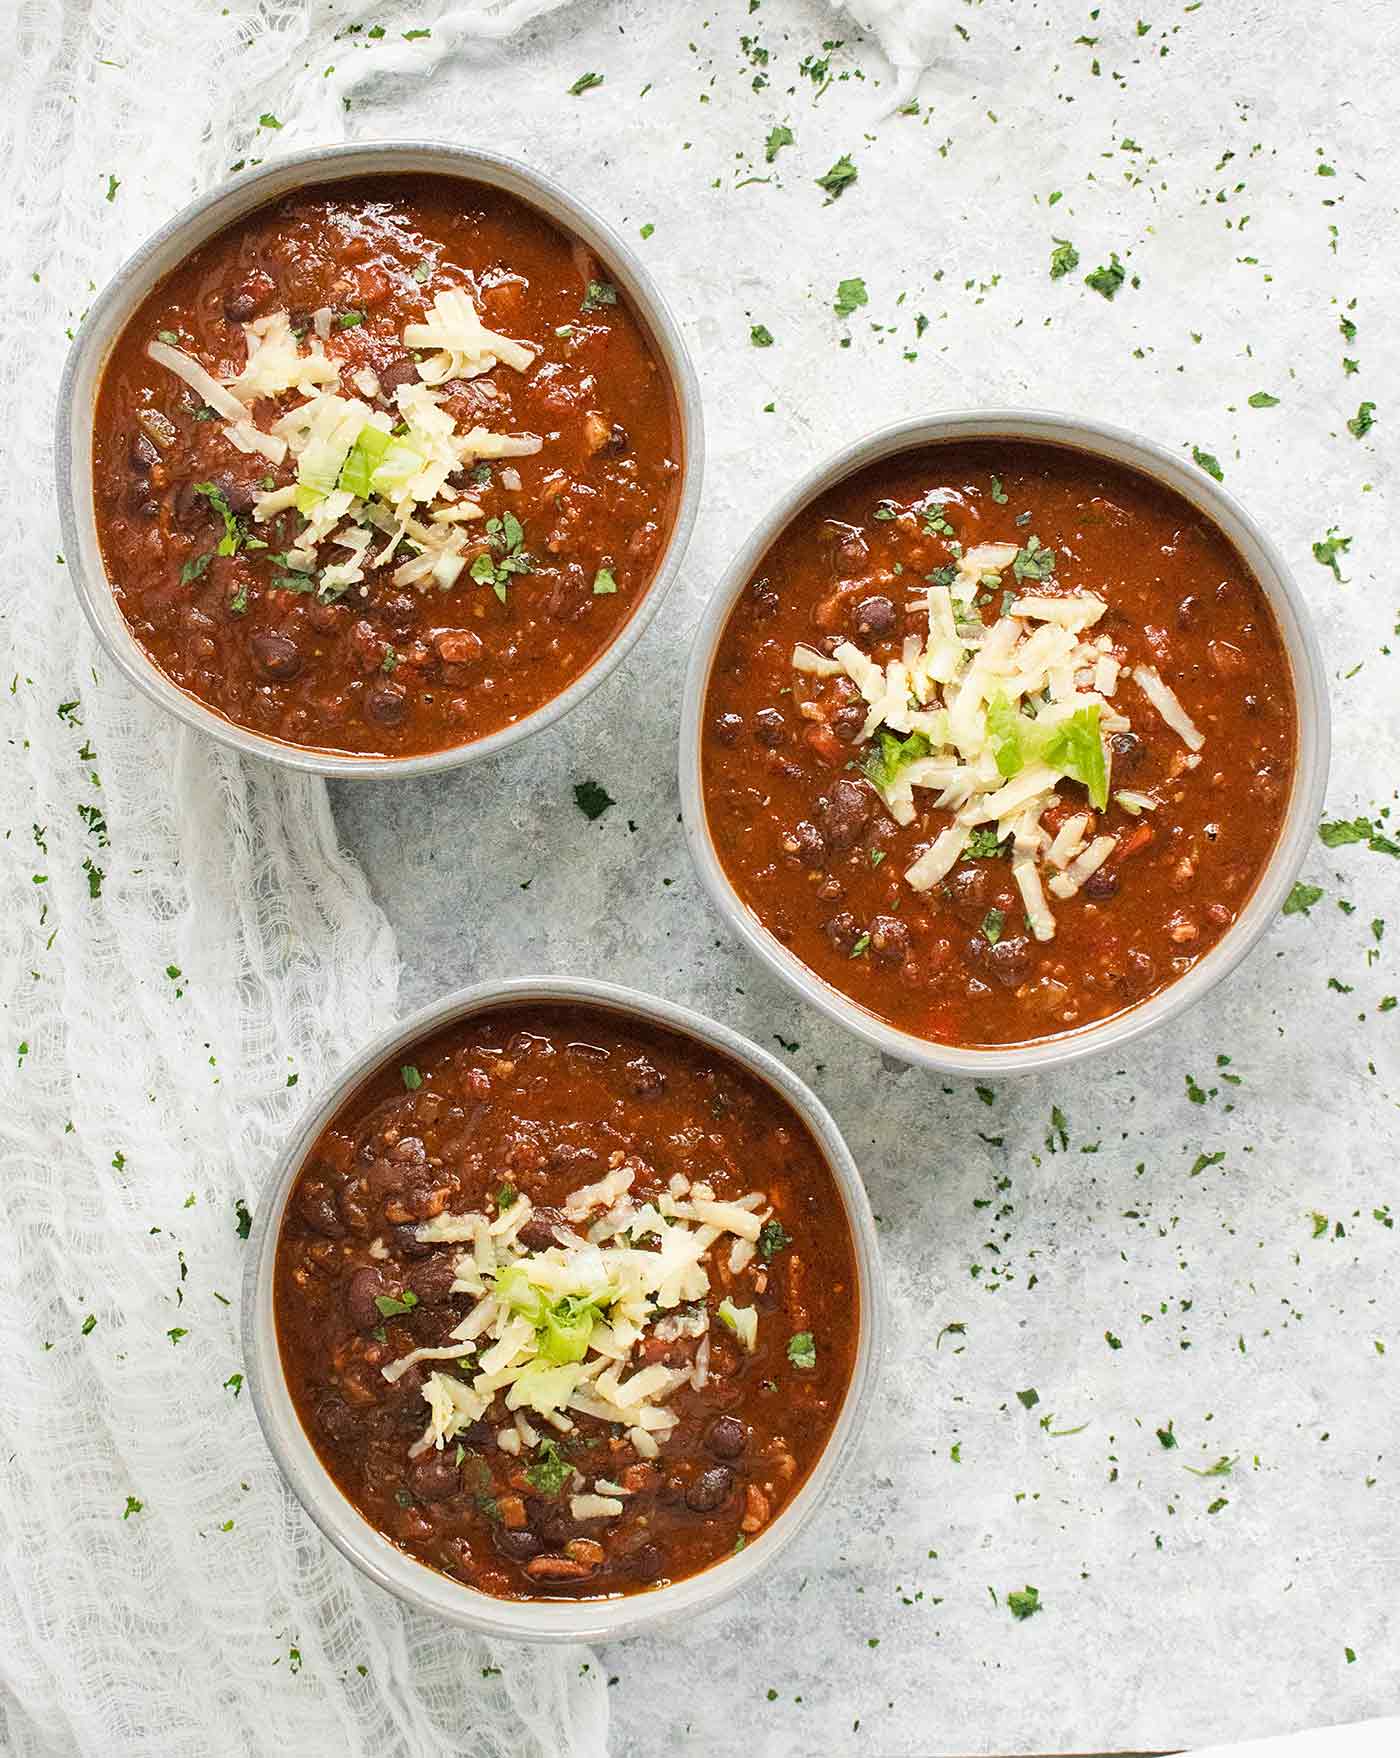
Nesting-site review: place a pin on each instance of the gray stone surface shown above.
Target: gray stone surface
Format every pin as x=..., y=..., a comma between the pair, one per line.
x=1252, y=1296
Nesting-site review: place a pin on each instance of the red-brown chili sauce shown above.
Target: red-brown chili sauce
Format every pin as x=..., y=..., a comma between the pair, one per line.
x=385, y=669
x=539, y=1102
x=811, y=849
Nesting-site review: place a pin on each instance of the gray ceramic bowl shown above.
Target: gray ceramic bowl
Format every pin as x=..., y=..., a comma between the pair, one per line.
x=192, y=227
x=394, y=1569
x=1304, y=805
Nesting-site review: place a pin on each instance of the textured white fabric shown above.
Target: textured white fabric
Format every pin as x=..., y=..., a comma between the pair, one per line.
x=181, y=941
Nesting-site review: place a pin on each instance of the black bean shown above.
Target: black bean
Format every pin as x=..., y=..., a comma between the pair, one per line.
x=643, y=1563
x=971, y=888
x=875, y=615
x=769, y=728
x=1008, y=962
x=386, y=704
x=435, y=1477
x=316, y=1206
x=808, y=844
x=710, y=1490
x=143, y=454
x=407, y=1244
x=845, y=812
x=846, y=722
x=396, y=373
x=728, y=727
x=1103, y=883
x=360, y=1292
x=727, y=1437
x=240, y=307
x=1128, y=751
x=889, y=939
x=538, y=1232
x=843, y=931
x=518, y=1543
x=619, y=440
x=432, y=1279
x=276, y=656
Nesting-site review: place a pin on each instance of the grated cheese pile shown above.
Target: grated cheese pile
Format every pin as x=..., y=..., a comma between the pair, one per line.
x=554, y=1330
x=368, y=479
x=991, y=717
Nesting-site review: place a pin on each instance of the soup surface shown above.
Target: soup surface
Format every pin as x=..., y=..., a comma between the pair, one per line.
x=384, y=467
x=998, y=740
x=568, y=1305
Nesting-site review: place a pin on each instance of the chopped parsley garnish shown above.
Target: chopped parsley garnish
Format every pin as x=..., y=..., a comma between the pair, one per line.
x=1063, y=259
x=604, y=583
x=801, y=1350
x=1209, y=463
x=599, y=294
x=550, y=1471
x=1363, y=421
x=350, y=320
x=1033, y=561
x=1327, y=549
x=982, y=845
x=592, y=799
x=1301, y=899
x=585, y=83
x=992, y=924
x=779, y=136
x=233, y=531
x=839, y=178
x=850, y=296
x=506, y=1195
x=761, y=336
x=410, y=1077
x=195, y=569
x=1107, y=280
x=245, y=1220
x=1022, y=1604
x=390, y=1307
x=860, y=946
x=506, y=535
x=133, y=1506
x=773, y=1237
x=1262, y=400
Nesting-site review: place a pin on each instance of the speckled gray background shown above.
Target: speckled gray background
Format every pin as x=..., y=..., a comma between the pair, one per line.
x=1192, y=143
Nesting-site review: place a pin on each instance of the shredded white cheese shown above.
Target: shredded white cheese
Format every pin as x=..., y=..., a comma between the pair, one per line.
x=1164, y=699
x=990, y=717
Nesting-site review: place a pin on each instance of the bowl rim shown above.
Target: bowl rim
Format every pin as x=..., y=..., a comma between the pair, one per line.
x=194, y=225
x=353, y=1535
x=1099, y=439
